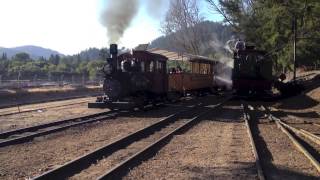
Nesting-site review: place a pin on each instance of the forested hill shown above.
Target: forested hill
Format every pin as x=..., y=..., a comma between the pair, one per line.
x=214, y=36
x=34, y=51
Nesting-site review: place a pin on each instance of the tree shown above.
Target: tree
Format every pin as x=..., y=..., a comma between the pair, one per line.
x=22, y=57
x=180, y=22
x=54, y=59
x=268, y=25
x=42, y=59
x=94, y=68
x=4, y=57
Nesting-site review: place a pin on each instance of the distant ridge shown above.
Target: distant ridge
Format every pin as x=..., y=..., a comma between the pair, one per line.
x=34, y=51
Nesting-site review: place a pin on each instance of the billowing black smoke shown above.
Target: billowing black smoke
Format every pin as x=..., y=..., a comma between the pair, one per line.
x=118, y=15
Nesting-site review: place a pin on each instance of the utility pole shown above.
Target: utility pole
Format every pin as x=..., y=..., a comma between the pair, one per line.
x=294, y=26
x=19, y=74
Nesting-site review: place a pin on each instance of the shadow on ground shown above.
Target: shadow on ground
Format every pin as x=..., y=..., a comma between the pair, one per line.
x=271, y=170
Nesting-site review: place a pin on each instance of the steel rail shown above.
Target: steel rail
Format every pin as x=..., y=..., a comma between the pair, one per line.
x=47, y=101
x=254, y=147
x=299, y=146
x=86, y=160
x=7, y=113
x=83, y=162
x=40, y=130
x=123, y=167
x=310, y=136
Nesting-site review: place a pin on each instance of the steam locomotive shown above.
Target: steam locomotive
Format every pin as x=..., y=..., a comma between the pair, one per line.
x=252, y=71
x=139, y=78
x=252, y=75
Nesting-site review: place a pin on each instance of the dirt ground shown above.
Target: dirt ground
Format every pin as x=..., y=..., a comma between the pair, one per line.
x=51, y=104
x=44, y=153
x=21, y=120
x=11, y=97
x=280, y=158
x=216, y=148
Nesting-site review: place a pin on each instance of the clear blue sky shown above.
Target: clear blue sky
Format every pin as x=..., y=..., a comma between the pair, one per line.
x=70, y=26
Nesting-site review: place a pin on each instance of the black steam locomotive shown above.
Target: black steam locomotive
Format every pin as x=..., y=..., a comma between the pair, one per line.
x=252, y=75
x=132, y=80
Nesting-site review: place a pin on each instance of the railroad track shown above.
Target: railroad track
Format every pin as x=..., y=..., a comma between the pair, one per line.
x=135, y=148
x=247, y=118
x=27, y=134
x=50, y=100
x=12, y=112
x=293, y=134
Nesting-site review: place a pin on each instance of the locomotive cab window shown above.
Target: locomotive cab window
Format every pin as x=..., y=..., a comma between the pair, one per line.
x=143, y=67
x=151, y=66
x=160, y=67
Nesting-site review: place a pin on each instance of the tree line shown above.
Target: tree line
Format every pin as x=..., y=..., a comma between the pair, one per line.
x=271, y=25
x=55, y=68
x=274, y=26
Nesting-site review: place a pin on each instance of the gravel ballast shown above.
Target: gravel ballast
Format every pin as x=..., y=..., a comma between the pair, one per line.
x=45, y=153
x=216, y=148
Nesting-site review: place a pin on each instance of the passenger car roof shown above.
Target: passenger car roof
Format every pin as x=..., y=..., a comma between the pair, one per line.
x=143, y=55
x=176, y=56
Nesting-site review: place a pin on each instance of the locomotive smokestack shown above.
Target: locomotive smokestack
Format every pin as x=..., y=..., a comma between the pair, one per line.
x=114, y=54
x=113, y=50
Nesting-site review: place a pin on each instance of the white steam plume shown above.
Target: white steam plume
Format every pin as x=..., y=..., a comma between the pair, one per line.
x=229, y=46
x=223, y=70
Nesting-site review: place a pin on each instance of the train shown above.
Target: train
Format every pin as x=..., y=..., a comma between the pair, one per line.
x=141, y=77
x=138, y=78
